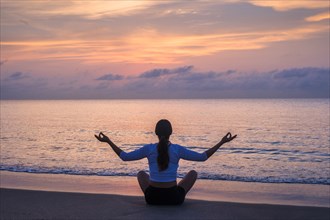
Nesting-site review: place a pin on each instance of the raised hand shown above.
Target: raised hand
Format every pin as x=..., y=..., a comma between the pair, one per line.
x=103, y=138
x=228, y=137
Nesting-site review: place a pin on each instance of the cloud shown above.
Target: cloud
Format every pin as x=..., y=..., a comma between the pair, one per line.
x=297, y=73
x=181, y=82
x=289, y=74
x=158, y=32
x=153, y=46
x=88, y=9
x=2, y=62
x=110, y=77
x=288, y=83
x=19, y=85
x=17, y=76
x=284, y=5
x=319, y=17
x=161, y=72
x=309, y=82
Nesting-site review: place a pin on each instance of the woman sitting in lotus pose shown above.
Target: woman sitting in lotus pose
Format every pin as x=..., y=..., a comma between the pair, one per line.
x=161, y=188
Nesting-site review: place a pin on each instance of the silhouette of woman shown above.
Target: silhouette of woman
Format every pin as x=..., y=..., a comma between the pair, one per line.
x=161, y=188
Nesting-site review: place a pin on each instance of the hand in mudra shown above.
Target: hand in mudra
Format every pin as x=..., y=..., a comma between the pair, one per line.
x=101, y=137
x=228, y=137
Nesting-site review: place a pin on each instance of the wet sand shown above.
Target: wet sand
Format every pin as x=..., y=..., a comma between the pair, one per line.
x=44, y=196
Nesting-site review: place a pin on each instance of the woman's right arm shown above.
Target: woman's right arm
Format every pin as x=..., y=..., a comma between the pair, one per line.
x=103, y=138
x=225, y=139
x=134, y=155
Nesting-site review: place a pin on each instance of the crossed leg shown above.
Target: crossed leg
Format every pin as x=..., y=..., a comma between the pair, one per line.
x=186, y=183
x=143, y=179
x=188, y=180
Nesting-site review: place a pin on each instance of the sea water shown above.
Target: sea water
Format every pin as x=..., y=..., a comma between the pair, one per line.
x=279, y=140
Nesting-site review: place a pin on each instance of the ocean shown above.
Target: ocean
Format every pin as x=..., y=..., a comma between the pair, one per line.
x=279, y=140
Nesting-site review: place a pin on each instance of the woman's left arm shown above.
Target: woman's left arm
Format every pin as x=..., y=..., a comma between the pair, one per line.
x=103, y=138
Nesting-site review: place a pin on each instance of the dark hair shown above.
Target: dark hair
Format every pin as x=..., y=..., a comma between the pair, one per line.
x=163, y=157
x=163, y=130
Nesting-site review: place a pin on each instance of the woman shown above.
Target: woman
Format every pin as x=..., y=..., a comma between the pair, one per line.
x=161, y=188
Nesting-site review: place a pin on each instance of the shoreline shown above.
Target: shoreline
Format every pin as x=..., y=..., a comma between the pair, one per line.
x=207, y=190
x=60, y=196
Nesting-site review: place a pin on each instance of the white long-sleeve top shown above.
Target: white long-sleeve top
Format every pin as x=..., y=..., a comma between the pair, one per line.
x=176, y=152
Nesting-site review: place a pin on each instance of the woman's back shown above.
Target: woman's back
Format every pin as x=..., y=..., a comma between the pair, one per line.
x=175, y=151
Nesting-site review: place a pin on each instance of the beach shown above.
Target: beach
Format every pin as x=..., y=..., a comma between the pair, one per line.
x=94, y=93
x=45, y=196
x=27, y=204
x=52, y=167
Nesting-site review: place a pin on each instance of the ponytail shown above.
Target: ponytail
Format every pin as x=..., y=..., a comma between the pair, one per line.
x=163, y=157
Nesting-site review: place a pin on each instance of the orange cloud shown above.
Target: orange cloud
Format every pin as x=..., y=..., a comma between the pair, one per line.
x=151, y=46
x=319, y=17
x=285, y=5
x=88, y=9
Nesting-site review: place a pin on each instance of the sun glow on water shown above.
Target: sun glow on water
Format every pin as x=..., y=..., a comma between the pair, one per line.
x=278, y=140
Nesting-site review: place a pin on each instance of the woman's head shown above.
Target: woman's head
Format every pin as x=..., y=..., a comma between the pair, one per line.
x=163, y=130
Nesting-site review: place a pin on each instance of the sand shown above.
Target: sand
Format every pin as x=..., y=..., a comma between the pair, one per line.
x=43, y=196
x=28, y=204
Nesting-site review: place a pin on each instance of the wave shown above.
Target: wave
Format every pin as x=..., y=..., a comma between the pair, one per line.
x=274, y=151
x=265, y=179
x=202, y=175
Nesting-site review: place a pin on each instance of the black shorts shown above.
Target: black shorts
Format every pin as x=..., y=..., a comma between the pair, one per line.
x=165, y=196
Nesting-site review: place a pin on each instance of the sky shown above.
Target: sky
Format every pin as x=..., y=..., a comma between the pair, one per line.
x=93, y=49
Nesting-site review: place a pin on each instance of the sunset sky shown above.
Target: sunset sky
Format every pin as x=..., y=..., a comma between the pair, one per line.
x=164, y=49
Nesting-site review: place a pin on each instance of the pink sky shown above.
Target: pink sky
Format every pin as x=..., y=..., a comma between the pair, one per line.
x=65, y=47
